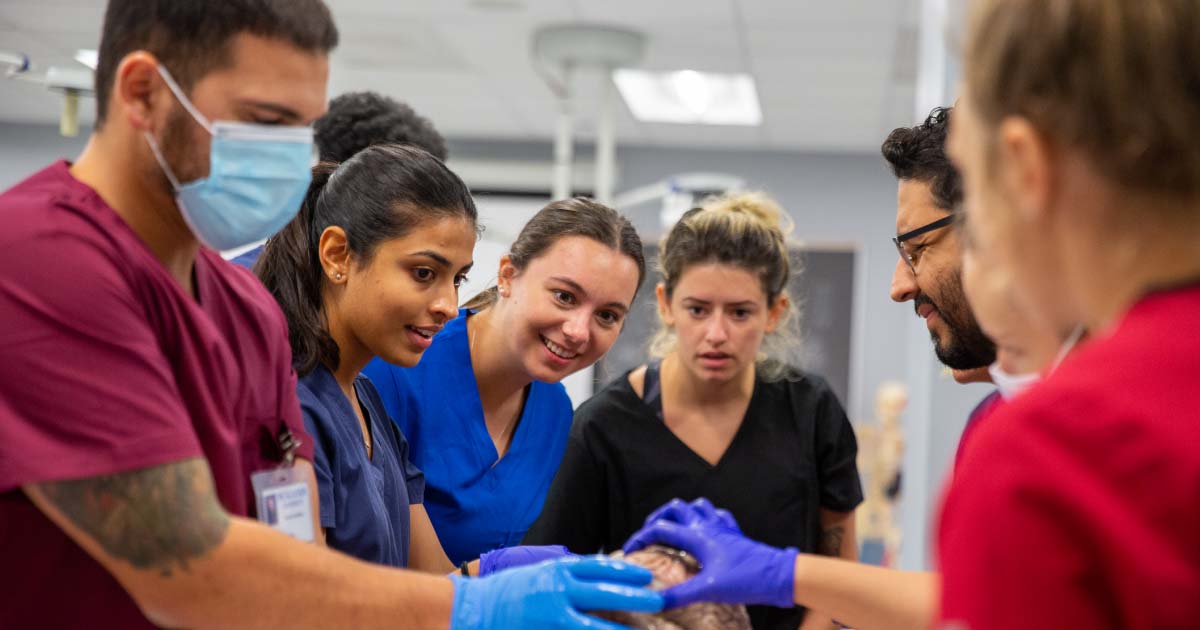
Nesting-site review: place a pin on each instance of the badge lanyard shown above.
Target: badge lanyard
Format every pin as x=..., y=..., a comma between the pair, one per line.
x=282, y=494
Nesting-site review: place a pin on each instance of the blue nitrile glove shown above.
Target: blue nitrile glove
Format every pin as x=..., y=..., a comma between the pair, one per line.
x=501, y=559
x=733, y=568
x=551, y=595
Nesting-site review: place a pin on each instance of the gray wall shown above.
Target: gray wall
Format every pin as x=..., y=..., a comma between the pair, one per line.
x=25, y=148
x=833, y=199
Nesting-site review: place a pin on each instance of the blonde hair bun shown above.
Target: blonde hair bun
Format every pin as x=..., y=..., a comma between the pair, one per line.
x=759, y=206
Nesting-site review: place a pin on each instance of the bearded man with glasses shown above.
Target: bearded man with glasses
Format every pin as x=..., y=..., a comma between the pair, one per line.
x=929, y=269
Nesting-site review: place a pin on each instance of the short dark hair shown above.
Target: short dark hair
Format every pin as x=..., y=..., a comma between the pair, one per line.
x=383, y=192
x=358, y=120
x=192, y=37
x=919, y=153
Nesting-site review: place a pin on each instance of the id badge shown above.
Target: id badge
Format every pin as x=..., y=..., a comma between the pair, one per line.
x=284, y=501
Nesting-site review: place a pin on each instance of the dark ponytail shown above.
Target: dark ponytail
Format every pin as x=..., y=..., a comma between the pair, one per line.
x=569, y=217
x=381, y=193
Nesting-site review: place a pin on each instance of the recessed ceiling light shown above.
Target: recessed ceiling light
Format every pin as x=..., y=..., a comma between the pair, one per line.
x=87, y=57
x=690, y=97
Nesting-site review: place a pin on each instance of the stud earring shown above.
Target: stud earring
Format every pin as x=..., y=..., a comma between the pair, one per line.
x=337, y=276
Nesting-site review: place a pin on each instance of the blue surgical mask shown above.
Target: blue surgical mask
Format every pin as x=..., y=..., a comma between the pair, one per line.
x=257, y=178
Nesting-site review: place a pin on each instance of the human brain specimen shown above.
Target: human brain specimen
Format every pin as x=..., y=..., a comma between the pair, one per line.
x=670, y=567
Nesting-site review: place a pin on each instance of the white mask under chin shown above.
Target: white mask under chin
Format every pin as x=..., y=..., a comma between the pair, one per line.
x=1010, y=385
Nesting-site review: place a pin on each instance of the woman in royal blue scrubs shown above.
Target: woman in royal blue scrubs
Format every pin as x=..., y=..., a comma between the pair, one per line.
x=370, y=267
x=484, y=411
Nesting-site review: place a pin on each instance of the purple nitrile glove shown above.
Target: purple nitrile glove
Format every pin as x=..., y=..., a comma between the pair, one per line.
x=733, y=568
x=501, y=559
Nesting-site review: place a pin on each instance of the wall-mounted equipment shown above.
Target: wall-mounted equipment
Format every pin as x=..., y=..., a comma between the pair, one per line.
x=71, y=82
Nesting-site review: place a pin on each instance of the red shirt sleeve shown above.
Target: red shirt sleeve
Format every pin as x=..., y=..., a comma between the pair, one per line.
x=1012, y=548
x=88, y=389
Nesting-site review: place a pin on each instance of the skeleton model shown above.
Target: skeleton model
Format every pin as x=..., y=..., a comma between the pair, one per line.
x=880, y=453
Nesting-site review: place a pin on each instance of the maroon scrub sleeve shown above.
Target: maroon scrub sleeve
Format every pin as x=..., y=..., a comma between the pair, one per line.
x=88, y=389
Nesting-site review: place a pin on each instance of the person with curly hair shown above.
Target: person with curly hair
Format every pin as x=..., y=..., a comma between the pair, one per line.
x=357, y=120
x=928, y=271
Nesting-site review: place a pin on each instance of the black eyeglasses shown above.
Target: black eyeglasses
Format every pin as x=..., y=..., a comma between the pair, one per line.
x=900, y=241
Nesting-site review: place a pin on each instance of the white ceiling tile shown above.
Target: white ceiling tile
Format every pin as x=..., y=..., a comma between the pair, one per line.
x=74, y=40
x=43, y=52
x=457, y=104
x=706, y=49
x=645, y=13
x=53, y=16
x=396, y=43
x=826, y=71
x=500, y=47
x=775, y=12
x=840, y=41
x=449, y=10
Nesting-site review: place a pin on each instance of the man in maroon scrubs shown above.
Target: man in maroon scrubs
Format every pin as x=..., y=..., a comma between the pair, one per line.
x=143, y=379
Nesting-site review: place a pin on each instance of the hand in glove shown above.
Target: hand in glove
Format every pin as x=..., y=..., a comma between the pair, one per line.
x=509, y=557
x=551, y=595
x=734, y=569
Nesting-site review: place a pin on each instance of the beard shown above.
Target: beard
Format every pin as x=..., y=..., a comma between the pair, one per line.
x=964, y=347
x=179, y=144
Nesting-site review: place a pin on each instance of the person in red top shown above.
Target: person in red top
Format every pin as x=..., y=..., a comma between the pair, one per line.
x=144, y=379
x=1025, y=349
x=1076, y=138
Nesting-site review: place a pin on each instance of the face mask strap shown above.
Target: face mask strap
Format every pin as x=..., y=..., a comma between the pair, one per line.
x=162, y=161
x=1011, y=384
x=183, y=99
x=1068, y=346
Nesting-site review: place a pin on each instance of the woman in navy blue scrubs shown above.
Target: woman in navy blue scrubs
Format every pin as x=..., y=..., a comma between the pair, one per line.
x=484, y=412
x=370, y=267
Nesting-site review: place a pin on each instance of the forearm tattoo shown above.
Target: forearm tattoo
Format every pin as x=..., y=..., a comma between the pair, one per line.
x=157, y=518
x=831, y=541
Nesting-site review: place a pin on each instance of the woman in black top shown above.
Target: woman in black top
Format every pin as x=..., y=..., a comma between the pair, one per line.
x=716, y=417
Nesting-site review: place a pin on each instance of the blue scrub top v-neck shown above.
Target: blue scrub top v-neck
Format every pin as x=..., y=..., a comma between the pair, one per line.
x=476, y=503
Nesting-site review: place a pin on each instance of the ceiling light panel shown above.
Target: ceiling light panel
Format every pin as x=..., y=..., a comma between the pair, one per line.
x=690, y=97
